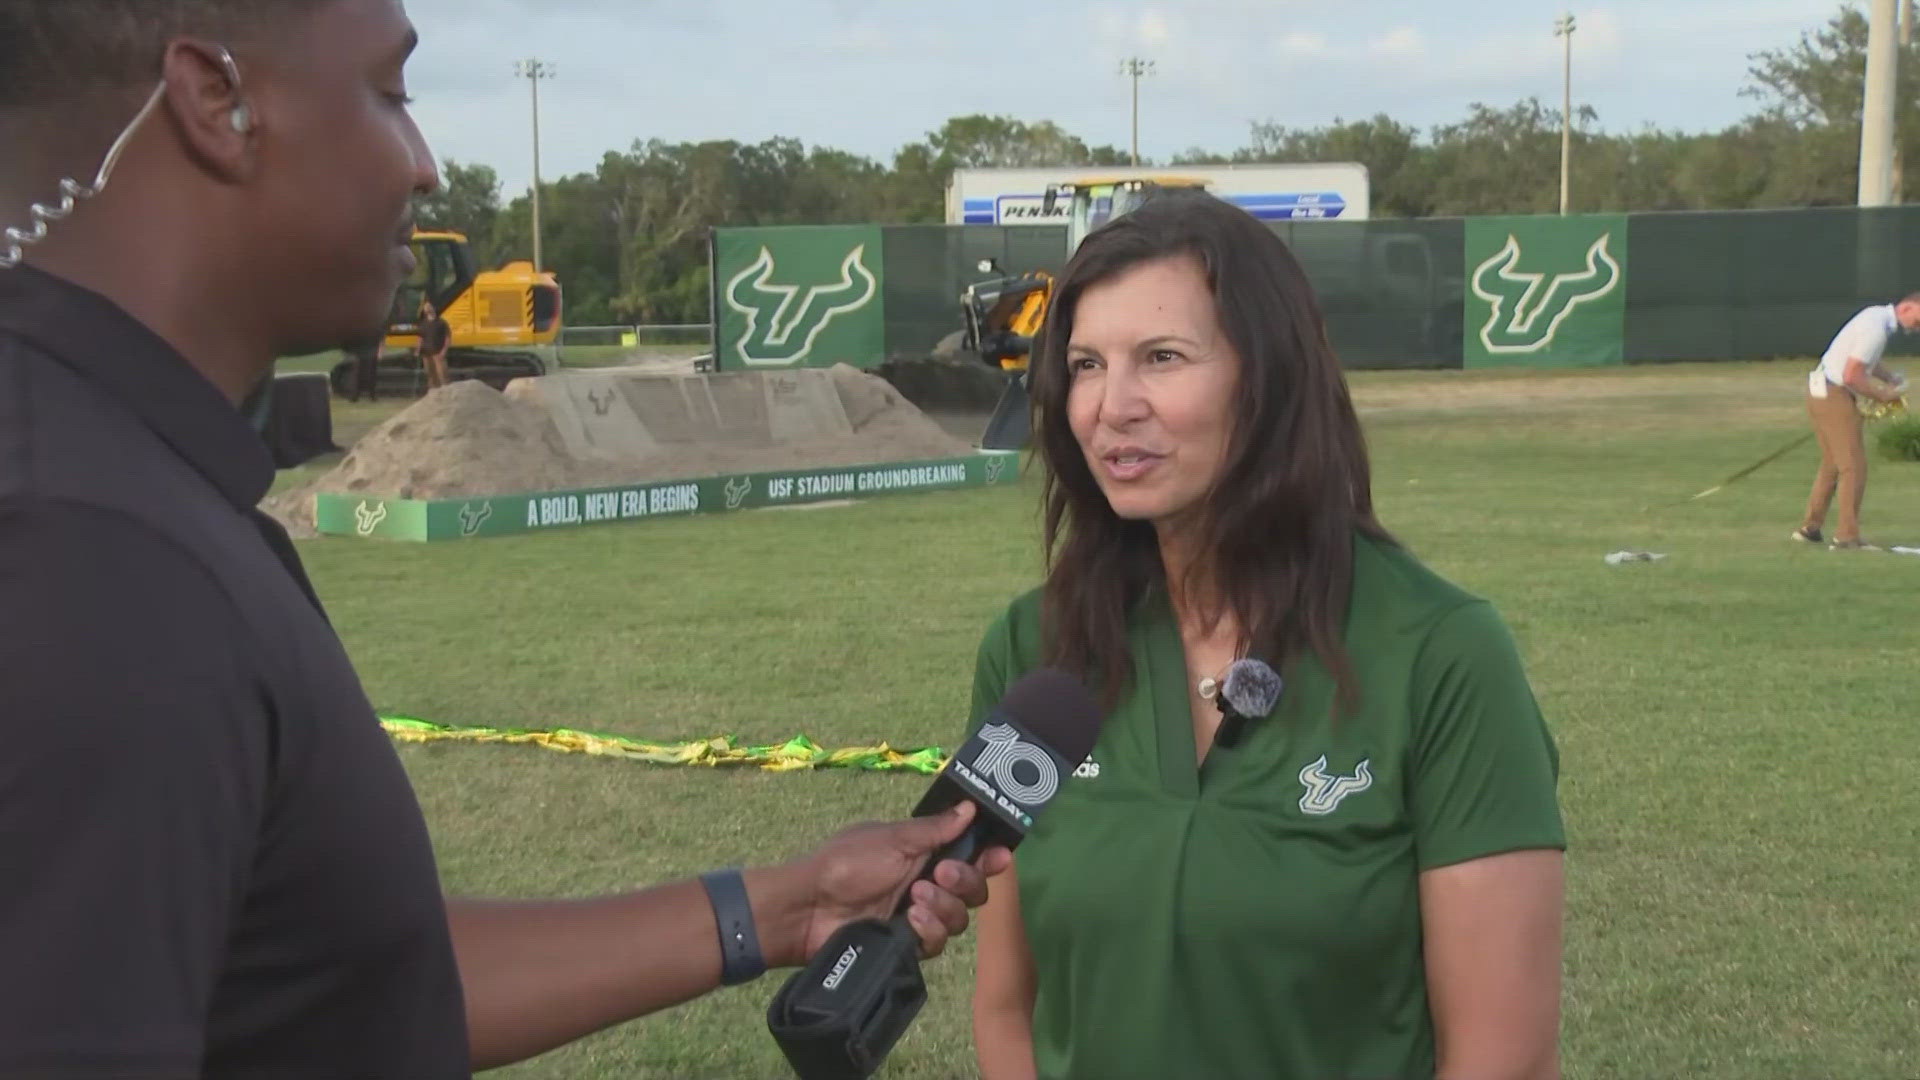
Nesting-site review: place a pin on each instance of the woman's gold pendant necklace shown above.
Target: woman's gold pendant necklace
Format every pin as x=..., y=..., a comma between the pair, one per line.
x=1209, y=685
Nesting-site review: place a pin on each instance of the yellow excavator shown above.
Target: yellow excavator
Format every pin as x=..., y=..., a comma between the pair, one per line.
x=503, y=322
x=1003, y=314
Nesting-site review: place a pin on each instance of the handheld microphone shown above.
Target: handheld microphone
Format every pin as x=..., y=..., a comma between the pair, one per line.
x=1249, y=692
x=838, y=1017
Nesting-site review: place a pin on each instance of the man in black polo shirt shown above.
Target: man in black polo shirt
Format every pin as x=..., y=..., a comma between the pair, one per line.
x=211, y=863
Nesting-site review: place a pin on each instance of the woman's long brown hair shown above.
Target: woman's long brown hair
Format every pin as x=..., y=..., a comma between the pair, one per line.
x=1275, y=533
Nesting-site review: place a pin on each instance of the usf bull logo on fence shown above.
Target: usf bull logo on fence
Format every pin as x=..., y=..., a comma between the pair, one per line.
x=799, y=297
x=1545, y=291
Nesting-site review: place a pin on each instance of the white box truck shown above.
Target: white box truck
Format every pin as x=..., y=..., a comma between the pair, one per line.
x=1322, y=190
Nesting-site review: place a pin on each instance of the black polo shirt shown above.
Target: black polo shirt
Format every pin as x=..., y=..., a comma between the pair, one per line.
x=211, y=861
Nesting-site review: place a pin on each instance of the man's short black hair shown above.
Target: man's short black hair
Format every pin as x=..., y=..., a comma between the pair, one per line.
x=1911, y=298
x=54, y=51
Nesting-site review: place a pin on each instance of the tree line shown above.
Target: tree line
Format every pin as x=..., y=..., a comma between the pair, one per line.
x=628, y=240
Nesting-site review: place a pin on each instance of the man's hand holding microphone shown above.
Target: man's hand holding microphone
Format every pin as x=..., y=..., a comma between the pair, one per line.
x=865, y=872
x=856, y=915
x=839, y=1016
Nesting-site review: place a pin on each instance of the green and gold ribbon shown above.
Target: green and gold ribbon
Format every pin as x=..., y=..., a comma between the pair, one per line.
x=798, y=752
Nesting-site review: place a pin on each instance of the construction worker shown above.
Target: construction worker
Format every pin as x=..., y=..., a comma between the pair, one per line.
x=435, y=336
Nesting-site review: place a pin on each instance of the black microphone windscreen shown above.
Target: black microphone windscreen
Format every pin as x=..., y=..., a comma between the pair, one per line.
x=1251, y=688
x=1055, y=708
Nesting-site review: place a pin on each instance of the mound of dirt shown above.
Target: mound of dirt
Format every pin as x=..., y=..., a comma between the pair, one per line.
x=936, y=384
x=469, y=440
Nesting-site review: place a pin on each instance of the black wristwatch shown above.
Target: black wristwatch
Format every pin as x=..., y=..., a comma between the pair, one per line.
x=740, y=958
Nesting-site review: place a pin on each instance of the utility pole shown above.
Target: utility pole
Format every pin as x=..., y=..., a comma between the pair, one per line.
x=533, y=71
x=1136, y=67
x=1876, y=126
x=1563, y=28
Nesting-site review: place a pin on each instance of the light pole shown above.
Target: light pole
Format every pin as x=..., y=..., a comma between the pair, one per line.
x=1563, y=28
x=1136, y=67
x=1898, y=194
x=533, y=71
x=1876, y=121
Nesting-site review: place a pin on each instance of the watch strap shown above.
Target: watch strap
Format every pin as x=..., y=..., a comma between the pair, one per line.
x=740, y=957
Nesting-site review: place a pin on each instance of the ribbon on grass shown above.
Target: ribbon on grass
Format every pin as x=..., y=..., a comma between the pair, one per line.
x=798, y=752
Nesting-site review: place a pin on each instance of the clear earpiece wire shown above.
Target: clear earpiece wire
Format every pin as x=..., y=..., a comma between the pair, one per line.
x=71, y=192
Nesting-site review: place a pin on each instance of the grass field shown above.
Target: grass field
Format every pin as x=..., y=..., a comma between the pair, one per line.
x=1738, y=725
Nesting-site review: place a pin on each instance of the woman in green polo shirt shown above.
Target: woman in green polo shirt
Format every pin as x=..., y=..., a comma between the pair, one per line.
x=1367, y=884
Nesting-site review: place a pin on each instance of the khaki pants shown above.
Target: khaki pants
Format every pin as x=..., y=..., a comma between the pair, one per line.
x=1843, y=461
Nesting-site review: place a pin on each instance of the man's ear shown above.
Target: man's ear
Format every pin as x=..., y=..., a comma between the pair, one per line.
x=210, y=108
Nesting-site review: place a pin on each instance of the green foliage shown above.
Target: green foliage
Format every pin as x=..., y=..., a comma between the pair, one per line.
x=468, y=202
x=987, y=142
x=629, y=239
x=1899, y=438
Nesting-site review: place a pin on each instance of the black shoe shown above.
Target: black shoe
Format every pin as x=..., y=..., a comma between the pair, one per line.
x=1806, y=535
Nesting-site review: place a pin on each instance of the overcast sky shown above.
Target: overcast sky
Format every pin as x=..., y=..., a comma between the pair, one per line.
x=871, y=75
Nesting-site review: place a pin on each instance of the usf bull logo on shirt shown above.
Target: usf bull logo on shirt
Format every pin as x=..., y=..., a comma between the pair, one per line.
x=1324, y=792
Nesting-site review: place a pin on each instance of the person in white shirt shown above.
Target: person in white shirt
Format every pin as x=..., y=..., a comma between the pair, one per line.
x=1851, y=369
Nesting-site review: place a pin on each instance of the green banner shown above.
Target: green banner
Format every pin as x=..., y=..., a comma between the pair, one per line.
x=1545, y=291
x=505, y=515
x=804, y=296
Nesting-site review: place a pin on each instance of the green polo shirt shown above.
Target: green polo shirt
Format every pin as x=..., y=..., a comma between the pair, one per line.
x=1260, y=917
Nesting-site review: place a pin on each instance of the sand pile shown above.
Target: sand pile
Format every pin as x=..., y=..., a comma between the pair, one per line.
x=469, y=440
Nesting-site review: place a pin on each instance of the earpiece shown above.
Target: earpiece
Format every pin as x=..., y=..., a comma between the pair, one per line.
x=242, y=116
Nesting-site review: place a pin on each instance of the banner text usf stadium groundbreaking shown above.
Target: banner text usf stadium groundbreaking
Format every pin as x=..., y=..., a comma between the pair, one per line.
x=503, y=515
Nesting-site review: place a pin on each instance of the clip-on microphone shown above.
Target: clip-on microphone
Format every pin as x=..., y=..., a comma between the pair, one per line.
x=1249, y=692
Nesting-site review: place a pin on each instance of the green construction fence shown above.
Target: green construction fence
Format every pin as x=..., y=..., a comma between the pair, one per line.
x=1519, y=291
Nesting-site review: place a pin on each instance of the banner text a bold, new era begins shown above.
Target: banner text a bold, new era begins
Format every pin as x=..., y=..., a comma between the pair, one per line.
x=580, y=509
